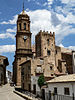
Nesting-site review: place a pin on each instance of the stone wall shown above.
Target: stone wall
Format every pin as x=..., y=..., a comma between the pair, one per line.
x=26, y=76
x=68, y=58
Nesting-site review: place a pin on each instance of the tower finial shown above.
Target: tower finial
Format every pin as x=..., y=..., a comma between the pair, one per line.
x=23, y=7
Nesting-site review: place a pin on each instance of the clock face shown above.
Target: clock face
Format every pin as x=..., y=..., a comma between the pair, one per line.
x=25, y=37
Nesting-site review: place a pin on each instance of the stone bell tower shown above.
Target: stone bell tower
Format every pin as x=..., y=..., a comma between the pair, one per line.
x=23, y=44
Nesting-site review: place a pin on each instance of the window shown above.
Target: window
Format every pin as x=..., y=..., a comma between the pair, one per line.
x=56, y=51
x=39, y=69
x=41, y=61
x=48, y=52
x=29, y=85
x=23, y=85
x=22, y=71
x=55, y=90
x=20, y=26
x=48, y=42
x=51, y=74
x=51, y=68
x=66, y=91
x=24, y=26
x=65, y=65
x=52, y=44
x=34, y=88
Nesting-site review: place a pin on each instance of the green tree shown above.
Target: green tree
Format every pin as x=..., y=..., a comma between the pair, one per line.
x=41, y=81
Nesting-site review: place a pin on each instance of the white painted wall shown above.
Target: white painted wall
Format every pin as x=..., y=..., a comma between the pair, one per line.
x=34, y=80
x=8, y=76
x=60, y=87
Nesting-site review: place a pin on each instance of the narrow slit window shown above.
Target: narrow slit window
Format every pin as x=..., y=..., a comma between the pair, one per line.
x=20, y=26
x=24, y=26
x=48, y=42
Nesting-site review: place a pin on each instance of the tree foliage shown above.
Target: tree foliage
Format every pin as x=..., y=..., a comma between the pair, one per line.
x=41, y=81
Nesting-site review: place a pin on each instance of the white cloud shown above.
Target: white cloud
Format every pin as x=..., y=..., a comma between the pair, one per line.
x=39, y=20
x=69, y=47
x=45, y=4
x=38, y=3
x=27, y=9
x=50, y=2
x=61, y=45
x=28, y=0
x=7, y=48
x=51, y=21
x=4, y=22
x=65, y=1
x=68, y=7
x=13, y=21
x=11, y=30
x=63, y=30
x=7, y=35
x=48, y=21
x=72, y=47
x=68, y=1
x=69, y=19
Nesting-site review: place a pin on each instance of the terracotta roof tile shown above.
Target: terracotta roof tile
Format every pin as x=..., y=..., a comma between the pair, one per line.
x=62, y=79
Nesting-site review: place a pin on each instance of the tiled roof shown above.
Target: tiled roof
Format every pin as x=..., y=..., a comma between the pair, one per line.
x=62, y=79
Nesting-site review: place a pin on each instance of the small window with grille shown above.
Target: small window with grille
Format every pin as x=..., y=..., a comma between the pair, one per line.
x=66, y=91
x=55, y=90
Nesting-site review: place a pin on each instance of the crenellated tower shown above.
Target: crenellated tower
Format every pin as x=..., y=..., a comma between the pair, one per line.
x=45, y=44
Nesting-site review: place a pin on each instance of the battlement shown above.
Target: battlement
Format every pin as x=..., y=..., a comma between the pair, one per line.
x=46, y=33
x=45, y=43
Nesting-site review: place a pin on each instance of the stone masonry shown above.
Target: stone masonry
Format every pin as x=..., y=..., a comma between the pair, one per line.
x=47, y=59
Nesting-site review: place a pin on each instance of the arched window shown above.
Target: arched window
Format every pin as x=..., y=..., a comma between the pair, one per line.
x=19, y=26
x=24, y=26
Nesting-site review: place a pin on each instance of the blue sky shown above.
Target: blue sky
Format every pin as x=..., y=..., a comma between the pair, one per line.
x=50, y=15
